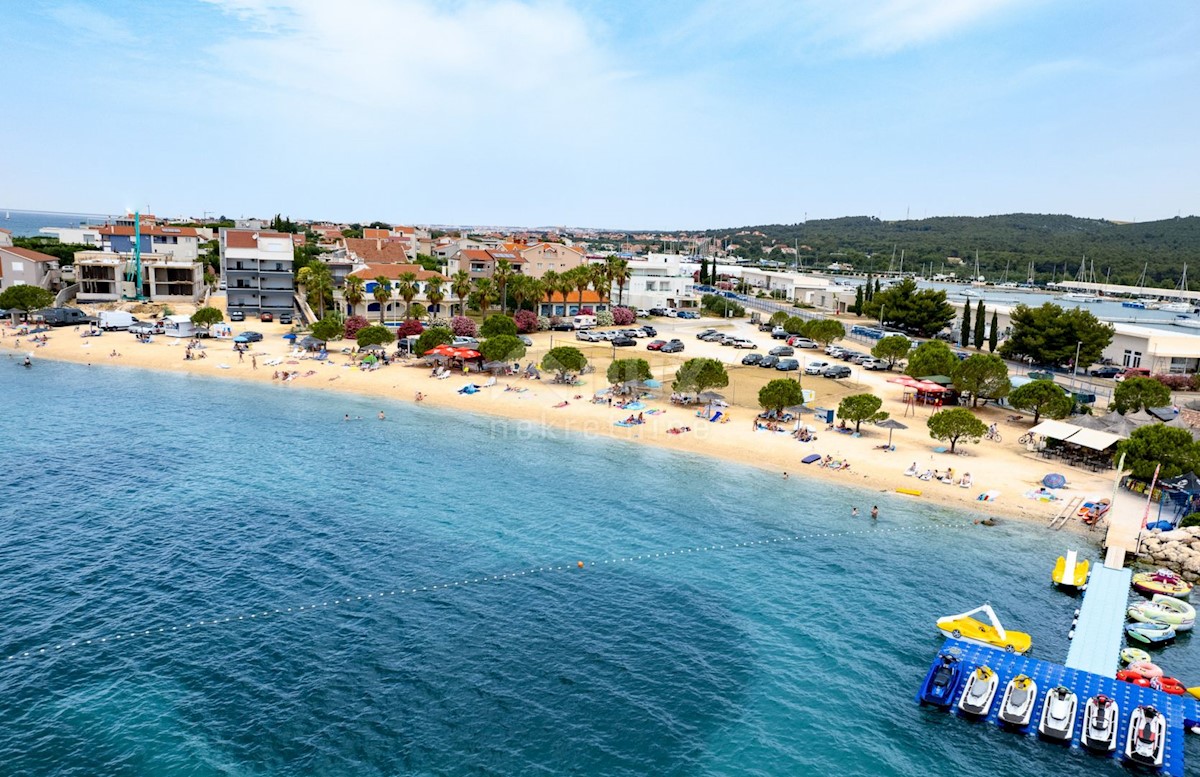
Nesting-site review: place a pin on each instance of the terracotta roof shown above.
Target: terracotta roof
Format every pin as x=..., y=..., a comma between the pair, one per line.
x=590, y=296
x=475, y=255
x=113, y=229
x=248, y=238
x=374, y=232
x=393, y=272
x=371, y=250
x=7, y=231
x=511, y=257
x=25, y=253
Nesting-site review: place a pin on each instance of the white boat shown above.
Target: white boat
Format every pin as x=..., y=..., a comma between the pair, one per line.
x=1020, y=696
x=1147, y=739
x=1058, y=714
x=1077, y=296
x=1177, y=307
x=981, y=689
x=1187, y=323
x=1100, y=724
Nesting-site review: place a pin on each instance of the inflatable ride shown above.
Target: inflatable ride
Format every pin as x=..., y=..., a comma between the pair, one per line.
x=1150, y=633
x=965, y=627
x=1162, y=581
x=1069, y=572
x=1131, y=655
x=1148, y=675
x=1164, y=609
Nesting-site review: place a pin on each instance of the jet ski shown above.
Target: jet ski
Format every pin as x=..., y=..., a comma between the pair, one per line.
x=1016, y=707
x=1150, y=633
x=1100, y=724
x=1058, y=714
x=942, y=682
x=979, y=692
x=1147, y=738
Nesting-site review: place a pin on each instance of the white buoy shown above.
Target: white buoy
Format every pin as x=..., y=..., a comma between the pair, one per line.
x=1071, y=634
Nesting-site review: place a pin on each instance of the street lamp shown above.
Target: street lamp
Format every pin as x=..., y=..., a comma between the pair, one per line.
x=1075, y=364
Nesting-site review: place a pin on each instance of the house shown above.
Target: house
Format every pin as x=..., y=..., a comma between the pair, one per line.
x=24, y=266
x=541, y=257
x=480, y=263
x=181, y=242
x=257, y=268
x=5, y=237
x=379, y=250
x=553, y=305
x=394, y=309
x=104, y=276
x=658, y=281
x=83, y=235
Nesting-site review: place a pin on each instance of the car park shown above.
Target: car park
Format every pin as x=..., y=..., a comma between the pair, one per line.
x=836, y=371
x=674, y=346
x=237, y=315
x=1106, y=372
x=742, y=342
x=703, y=333
x=621, y=341
x=285, y=318
x=768, y=361
x=649, y=331
x=266, y=318
x=782, y=350
x=801, y=342
x=248, y=337
x=787, y=365
x=779, y=333
x=587, y=336
x=655, y=345
x=815, y=368
x=875, y=364
x=751, y=359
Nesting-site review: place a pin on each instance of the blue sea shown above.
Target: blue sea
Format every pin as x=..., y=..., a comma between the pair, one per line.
x=28, y=223
x=217, y=578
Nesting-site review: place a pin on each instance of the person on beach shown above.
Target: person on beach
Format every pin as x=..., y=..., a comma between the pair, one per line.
x=785, y=476
x=420, y=397
x=875, y=513
x=346, y=417
x=254, y=362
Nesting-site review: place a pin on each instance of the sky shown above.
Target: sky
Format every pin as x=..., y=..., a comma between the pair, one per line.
x=672, y=114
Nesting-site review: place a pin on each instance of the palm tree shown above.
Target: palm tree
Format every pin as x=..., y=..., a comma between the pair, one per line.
x=518, y=288
x=460, y=284
x=318, y=284
x=354, y=292
x=550, y=281
x=501, y=276
x=485, y=290
x=535, y=291
x=407, y=288
x=581, y=278
x=620, y=275
x=434, y=293
x=600, y=281
x=382, y=293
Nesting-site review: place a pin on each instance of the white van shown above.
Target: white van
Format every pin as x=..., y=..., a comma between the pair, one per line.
x=111, y=320
x=583, y=322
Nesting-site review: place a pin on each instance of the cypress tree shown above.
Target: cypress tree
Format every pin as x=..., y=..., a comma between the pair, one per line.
x=858, y=301
x=994, y=335
x=979, y=325
x=964, y=337
x=869, y=292
x=876, y=289
x=704, y=269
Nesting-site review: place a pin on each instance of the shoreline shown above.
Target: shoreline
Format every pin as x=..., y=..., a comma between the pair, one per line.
x=540, y=404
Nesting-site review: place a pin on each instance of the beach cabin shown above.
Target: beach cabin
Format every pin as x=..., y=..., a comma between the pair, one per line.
x=182, y=326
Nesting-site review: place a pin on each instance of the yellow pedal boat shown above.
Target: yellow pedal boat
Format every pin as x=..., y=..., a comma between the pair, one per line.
x=1070, y=572
x=965, y=627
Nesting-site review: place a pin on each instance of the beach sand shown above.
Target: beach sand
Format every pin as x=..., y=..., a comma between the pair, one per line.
x=1004, y=467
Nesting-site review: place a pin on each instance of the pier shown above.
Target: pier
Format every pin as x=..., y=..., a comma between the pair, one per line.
x=1101, y=623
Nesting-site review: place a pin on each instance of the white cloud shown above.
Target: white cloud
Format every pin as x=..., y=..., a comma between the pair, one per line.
x=89, y=21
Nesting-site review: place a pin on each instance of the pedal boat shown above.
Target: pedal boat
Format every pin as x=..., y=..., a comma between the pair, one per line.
x=1069, y=572
x=965, y=627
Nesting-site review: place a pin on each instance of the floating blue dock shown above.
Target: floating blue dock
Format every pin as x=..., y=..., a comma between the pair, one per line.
x=1180, y=711
x=1101, y=622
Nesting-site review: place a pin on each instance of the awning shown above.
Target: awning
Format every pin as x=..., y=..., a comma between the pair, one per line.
x=1093, y=438
x=1055, y=430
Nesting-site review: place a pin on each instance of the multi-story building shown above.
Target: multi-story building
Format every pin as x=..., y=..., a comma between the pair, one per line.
x=180, y=242
x=257, y=268
x=541, y=257
x=394, y=309
x=658, y=281
x=104, y=276
x=26, y=266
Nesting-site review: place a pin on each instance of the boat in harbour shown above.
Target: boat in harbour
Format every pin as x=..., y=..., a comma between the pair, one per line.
x=1177, y=307
x=1078, y=296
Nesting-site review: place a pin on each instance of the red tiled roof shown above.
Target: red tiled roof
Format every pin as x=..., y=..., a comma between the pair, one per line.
x=6, y=231
x=369, y=233
x=476, y=255
x=248, y=238
x=394, y=271
x=26, y=253
x=511, y=257
x=113, y=229
x=371, y=250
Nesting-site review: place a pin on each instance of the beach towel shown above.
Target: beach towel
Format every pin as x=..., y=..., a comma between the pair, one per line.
x=716, y=418
x=988, y=496
x=470, y=388
x=562, y=404
x=810, y=458
x=656, y=411
x=623, y=423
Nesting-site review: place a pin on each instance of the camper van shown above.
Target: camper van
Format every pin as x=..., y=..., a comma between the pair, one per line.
x=583, y=322
x=65, y=316
x=112, y=320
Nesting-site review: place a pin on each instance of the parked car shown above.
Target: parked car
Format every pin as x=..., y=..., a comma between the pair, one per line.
x=765, y=327
x=525, y=340
x=285, y=318
x=1106, y=372
x=657, y=311
x=1043, y=375
x=815, y=368
x=752, y=359
x=674, y=346
x=148, y=328
x=833, y=350
x=742, y=342
x=643, y=313
x=779, y=333
x=266, y=318
x=862, y=358
x=782, y=350
x=768, y=361
x=849, y=356
x=1131, y=372
x=871, y=363
x=588, y=336
x=688, y=314
x=465, y=342
x=787, y=365
x=728, y=339
x=703, y=333
x=564, y=325
x=713, y=337
x=649, y=331
x=249, y=337
x=962, y=355
x=836, y=371
x=621, y=341
x=801, y=342
x=655, y=345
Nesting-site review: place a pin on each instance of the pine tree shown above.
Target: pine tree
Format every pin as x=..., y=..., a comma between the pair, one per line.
x=994, y=335
x=980, y=323
x=964, y=337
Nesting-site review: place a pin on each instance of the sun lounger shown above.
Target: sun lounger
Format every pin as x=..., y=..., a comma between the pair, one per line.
x=716, y=417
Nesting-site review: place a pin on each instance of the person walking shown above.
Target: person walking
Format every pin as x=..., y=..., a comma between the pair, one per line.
x=253, y=362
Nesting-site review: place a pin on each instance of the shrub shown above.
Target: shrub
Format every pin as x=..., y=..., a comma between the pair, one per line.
x=1174, y=382
x=526, y=321
x=432, y=337
x=623, y=316
x=439, y=322
x=409, y=327
x=604, y=318
x=374, y=335
x=586, y=312
x=497, y=325
x=352, y=326
x=463, y=326
x=1191, y=519
x=543, y=323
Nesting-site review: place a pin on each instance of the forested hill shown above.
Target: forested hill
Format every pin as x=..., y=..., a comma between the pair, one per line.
x=1052, y=242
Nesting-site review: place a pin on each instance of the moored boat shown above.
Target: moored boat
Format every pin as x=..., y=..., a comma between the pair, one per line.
x=979, y=692
x=1150, y=633
x=1100, y=724
x=1146, y=741
x=1020, y=696
x=965, y=627
x=1069, y=572
x=941, y=682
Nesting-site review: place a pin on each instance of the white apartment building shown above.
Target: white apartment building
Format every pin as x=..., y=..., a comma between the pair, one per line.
x=659, y=281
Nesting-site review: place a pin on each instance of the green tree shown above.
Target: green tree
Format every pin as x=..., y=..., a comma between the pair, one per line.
x=698, y=375
x=780, y=393
x=1156, y=444
x=317, y=281
x=485, y=294
x=1049, y=335
x=994, y=333
x=374, y=335
x=460, y=284
x=502, y=348
x=328, y=328
x=964, y=336
x=434, y=292
x=982, y=375
x=623, y=370
x=501, y=275
x=433, y=337
x=1043, y=397
x=891, y=349
x=207, y=317
x=1133, y=394
x=932, y=357
x=382, y=293
x=494, y=326
x=856, y=309
x=921, y=311
x=824, y=331
x=564, y=360
x=621, y=275
x=955, y=424
x=407, y=288
x=25, y=297
x=354, y=292
x=778, y=318
x=861, y=407
x=794, y=325
x=980, y=324
x=550, y=282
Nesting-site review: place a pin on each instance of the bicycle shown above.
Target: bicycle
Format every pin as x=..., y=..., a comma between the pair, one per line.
x=994, y=435
x=1026, y=438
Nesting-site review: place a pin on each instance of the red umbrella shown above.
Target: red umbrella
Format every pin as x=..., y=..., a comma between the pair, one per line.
x=929, y=387
x=466, y=353
x=903, y=380
x=441, y=350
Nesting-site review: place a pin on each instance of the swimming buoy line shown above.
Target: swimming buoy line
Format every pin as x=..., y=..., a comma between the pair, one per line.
x=58, y=648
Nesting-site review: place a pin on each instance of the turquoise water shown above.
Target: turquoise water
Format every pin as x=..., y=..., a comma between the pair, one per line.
x=135, y=502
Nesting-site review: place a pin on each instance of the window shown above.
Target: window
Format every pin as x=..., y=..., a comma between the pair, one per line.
x=1131, y=358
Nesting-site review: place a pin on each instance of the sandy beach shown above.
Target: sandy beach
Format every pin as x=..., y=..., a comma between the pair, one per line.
x=1005, y=467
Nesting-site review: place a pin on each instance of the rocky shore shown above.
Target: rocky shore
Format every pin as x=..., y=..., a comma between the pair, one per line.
x=1177, y=550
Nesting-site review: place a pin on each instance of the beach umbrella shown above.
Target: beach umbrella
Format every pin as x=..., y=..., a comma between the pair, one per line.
x=710, y=396
x=652, y=383
x=1054, y=480
x=466, y=353
x=440, y=350
x=290, y=336
x=799, y=410
x=891, y=426
x=370, y=359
